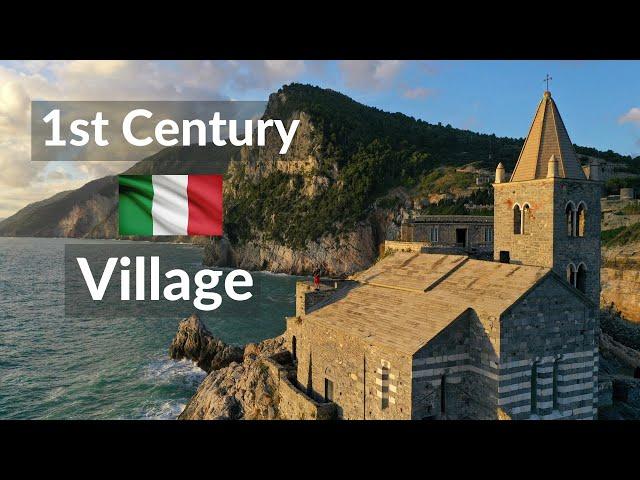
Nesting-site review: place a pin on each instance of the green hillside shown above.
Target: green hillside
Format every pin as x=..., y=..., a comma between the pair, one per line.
x=372, y=151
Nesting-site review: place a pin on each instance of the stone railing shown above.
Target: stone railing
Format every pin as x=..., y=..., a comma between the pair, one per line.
x=307, y=297
x=293, y=403
x=397, y=246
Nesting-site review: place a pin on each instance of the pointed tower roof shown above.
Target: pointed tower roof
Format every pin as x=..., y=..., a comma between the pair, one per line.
x=547, y=137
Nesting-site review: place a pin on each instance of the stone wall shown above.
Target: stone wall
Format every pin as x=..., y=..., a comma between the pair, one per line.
x=546, y=242
x=551, y=325
x=368, y=382
x=444, y=359
x=395, y=246
x=536, y=247
x=293, y=404
x=465, y=357
x=419, y=230
x=307, y=297
x=578, y=250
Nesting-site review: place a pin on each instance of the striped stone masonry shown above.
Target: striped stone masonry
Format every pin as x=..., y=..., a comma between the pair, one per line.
x=576, y=382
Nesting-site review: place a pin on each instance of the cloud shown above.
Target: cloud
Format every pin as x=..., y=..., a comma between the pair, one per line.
x=264, y=74
x=417, y=92
x=632, y=116
x=370, y=75
x=14, y=198
x=23, y=181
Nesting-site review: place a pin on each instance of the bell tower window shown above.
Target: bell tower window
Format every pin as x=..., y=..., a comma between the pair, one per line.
x=581, y=219
x=517, y=220
x=526, y=219
x=581, y=278
x=570, y=212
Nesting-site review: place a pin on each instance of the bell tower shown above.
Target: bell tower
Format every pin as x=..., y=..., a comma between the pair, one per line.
x=548, y=213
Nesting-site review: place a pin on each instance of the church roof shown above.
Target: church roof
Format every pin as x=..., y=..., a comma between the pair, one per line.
x=406, y=299
x=547, y=136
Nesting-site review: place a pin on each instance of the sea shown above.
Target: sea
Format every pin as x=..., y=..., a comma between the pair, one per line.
x=57, y=367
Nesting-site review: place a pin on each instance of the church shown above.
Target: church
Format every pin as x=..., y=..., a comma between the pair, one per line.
x=445, y=336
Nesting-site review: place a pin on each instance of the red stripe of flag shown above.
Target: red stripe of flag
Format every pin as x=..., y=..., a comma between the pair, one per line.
x=205, y=205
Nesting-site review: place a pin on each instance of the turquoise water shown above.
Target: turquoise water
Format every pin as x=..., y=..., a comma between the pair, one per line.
x=52, y=367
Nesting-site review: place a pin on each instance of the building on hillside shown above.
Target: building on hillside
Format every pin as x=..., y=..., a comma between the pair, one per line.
x=454, y=233
x=443, y=336
x=483, y=179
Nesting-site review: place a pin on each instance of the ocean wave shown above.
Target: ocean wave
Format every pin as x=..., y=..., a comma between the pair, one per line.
x=165, y=410
x=167, y=371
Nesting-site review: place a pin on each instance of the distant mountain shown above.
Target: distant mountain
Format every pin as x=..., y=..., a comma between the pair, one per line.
x=91, y=210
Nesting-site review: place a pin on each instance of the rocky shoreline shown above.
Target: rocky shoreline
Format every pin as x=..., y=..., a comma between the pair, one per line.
x=238, y=384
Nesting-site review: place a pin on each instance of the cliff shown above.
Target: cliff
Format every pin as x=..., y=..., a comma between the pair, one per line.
x=620, y=279
x=194, y=342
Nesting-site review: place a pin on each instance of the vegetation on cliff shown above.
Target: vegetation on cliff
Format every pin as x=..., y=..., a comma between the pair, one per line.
x=621, y=235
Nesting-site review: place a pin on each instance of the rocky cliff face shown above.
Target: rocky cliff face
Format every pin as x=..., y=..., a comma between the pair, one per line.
x=334, y=256
x=244, y=389
x=620, y=280
x=305, y=174
x=194, y=342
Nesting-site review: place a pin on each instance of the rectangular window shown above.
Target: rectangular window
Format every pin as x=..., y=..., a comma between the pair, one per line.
x=555, y=386
x=328, y=390
x=534, y=388
x=434, y=234
x=488, y=234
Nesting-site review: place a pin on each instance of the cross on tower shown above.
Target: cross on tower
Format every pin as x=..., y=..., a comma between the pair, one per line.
x=546, y=79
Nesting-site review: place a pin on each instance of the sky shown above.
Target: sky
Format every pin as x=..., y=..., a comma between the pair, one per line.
x=599, y=100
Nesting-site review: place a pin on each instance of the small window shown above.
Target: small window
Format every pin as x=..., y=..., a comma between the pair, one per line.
x=434, y=234
x=534, y=388
x=517, y=220
x=526, y=220
x=581, y=278
x=488, y=234
x=294, y=348
x=581, y=220
x=384, y=384
x=571, y=274
x=443, y=395
x=570, y=213
x=328, y=390
x=555, y=385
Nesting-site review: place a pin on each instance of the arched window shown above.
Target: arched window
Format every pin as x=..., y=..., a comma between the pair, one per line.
x=534, y=388
x=581, y=219
x=294, y=347
x=570, y=213
x=526, y=219
x=517, y=220
x=581, y=278
x=571, y=274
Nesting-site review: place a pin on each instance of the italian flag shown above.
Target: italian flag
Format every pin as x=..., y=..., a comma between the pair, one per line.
x=170, y=204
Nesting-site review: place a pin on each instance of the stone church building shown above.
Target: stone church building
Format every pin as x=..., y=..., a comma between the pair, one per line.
x=437, y=336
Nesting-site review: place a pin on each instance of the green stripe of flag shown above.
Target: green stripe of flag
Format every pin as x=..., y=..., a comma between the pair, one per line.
x=134, y=207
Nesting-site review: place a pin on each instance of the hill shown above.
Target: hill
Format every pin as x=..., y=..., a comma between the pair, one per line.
x=338, y=192
x=90, y=211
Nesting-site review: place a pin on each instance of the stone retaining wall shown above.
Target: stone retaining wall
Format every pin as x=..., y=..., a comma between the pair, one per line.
x=293, y=404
